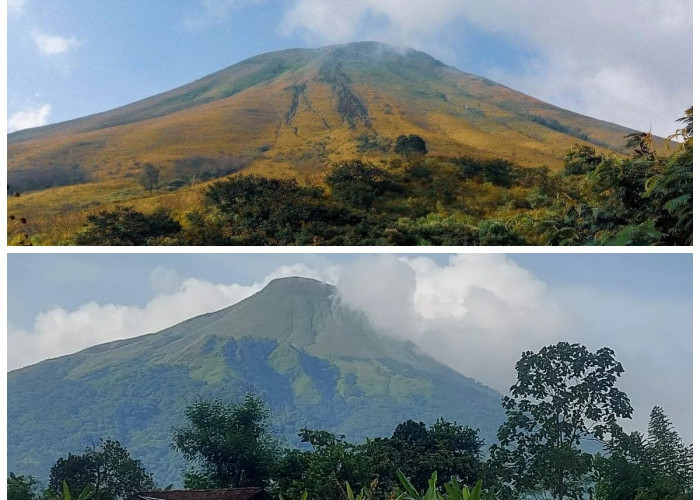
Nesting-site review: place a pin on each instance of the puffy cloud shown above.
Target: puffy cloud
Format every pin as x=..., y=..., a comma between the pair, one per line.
x=50, y=45
x=477, y=314
x=629, y=62
x=27, y=118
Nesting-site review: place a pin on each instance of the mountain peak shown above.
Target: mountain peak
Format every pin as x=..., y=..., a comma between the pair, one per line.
x=298, y=284
x=315, y=362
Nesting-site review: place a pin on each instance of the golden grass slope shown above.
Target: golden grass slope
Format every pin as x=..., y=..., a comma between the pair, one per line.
x=290, y=114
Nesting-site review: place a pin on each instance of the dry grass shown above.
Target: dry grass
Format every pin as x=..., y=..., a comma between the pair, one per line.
x=457, y=114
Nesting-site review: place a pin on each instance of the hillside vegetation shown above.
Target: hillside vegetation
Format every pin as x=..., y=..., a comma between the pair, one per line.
x=564, y=395
x=298, y=114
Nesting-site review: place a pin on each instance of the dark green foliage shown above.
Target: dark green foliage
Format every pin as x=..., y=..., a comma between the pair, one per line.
x=357, y=183
x=106, y=468
x=230, y=444
x=149, y=177
x=410, y=144
x=658, y=467
x=581, y=160
x=260, y=211
x=667, y=459
x=553, y=124
x=45, y=177
x=22, y=487
x=332, y=464
x=618, y=472
x=450, y=449
x=564, y=394
x=498, y=172
x=126, y=226
x=323, y=471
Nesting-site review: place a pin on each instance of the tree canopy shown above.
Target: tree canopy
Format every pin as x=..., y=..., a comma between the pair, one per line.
x=106, y=468
x=229, y=444
x=564, y=394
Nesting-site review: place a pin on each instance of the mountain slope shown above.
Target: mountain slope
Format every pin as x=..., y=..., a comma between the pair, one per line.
x=316, y=363
x=294, y=110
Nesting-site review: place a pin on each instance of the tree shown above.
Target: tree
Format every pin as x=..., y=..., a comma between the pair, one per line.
x=22, y=487
x=564, y=394
x=106, y=468
x=618, y=471
x=667, y=459
x=449, y=449
x=149, y=177
x=230, y=443
x=324, y=471
x=410, y=144
x=656, y=468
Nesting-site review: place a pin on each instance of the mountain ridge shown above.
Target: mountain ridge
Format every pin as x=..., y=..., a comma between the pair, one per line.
x=315, y=363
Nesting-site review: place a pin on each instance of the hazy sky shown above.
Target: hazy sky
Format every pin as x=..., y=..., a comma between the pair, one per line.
x=626, y=61
x=474, y=312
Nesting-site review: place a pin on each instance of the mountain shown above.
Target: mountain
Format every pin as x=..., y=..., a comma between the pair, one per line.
x=291, y=112
x=316, y=363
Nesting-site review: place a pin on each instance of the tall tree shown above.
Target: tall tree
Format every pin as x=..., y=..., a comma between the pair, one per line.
x=564, y=394
x=667, y=460
x=149, y=177
x=107, y=468
x=230, y=443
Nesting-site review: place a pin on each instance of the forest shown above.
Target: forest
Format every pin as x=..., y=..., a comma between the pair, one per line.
x=562, y=439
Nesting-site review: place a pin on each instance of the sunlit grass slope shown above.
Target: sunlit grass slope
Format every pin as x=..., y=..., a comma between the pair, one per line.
x=291, y=114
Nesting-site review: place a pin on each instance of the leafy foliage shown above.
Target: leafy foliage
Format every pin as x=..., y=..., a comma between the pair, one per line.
x=657, y=467
x=126, y=226
x=22, y=487
x=564, y=394
x=230, y=444
x=106, y=470
x=410, y=144
x=452, y=490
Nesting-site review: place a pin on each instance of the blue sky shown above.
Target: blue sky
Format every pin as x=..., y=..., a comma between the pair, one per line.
x=67, y=59
x=481, y=307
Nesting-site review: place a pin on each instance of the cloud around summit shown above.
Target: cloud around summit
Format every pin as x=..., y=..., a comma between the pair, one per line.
x=476, y=313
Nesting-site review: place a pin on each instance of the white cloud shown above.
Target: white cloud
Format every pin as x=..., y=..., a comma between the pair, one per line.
x=51, y=45
x=30, y=117
x=629, y=62
x=477, y=314
x=16, y=6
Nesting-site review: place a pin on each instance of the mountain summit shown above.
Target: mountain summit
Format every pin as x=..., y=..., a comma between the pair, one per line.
x=315, y=362
x=294, y=110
